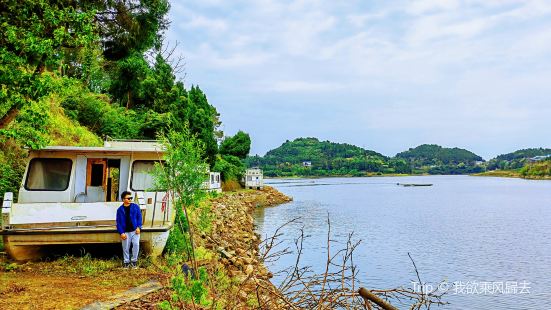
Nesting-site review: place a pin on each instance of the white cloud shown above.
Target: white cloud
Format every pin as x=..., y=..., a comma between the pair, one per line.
x=302, y=86
x=210, y=24
x=435, y=66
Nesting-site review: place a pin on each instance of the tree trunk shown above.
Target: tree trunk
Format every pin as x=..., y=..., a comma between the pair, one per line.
x=8, y=117
x=129, y=100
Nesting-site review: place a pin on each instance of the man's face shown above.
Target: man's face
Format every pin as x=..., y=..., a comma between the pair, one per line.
x=127, y=199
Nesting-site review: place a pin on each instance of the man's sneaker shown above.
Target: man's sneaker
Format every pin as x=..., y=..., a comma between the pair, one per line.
x=126, y=265
x=134, y=265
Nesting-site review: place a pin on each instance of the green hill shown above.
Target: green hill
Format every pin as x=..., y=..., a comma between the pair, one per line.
x=516, y=159
x=434, y=159
x=311, y=157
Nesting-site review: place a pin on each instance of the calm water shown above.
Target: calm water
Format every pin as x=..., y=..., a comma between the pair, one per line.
x=461, y=229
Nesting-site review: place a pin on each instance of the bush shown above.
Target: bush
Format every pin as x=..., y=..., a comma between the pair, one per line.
x=230, y=167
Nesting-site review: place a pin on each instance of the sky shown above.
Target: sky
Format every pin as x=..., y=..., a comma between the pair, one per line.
x=383, y=75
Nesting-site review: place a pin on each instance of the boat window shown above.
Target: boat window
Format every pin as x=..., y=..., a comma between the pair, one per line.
x=142, y=175
x=97, y=175
x=48, y=174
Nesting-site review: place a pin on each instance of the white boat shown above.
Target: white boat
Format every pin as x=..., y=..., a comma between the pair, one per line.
x=69, y=195
x=254, y=178
x=213, y=182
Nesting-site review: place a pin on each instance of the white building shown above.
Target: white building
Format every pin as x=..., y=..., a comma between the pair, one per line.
x=254, y=178
x=213, y=183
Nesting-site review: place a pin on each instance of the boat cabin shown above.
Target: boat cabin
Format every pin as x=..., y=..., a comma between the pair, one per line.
x=68, y=190
x=213, y=182
x=254, y=178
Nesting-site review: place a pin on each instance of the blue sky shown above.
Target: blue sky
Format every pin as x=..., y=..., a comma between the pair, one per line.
x=383, y=75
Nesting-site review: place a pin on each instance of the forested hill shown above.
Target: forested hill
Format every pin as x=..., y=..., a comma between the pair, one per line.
x=311, y=157
x=432, y=154
x=434, y=159
x=311, y=149
x=516, y=159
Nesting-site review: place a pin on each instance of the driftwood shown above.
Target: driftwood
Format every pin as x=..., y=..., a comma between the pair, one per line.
x=370, y=297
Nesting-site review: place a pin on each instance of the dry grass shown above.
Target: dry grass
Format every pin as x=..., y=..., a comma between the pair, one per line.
x=67, y=283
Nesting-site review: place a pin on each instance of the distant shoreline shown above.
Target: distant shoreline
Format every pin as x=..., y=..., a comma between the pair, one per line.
x=509, y=174
x=350, y=176
x=493, y=173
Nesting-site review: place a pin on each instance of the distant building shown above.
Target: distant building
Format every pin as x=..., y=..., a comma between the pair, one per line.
x=478, y=162
x=539, y=158
x=254, y=178
x=213, y=183
x=307, y=164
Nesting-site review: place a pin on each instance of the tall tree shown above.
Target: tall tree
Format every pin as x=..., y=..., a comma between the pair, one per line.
x=34, y=37
x=239, y=145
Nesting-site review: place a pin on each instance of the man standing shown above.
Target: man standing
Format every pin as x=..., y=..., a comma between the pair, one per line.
x=129, y=224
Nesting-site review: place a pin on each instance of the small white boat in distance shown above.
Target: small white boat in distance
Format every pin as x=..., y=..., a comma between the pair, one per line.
x=70, y=195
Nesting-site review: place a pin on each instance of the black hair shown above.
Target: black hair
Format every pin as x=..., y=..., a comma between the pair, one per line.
x=125, y=193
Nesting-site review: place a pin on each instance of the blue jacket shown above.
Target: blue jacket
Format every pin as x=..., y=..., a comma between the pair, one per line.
x=135, y=217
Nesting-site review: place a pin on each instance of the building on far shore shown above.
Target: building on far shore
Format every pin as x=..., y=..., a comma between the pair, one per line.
x=539, y=158
x=254, y=178
x=307, y=164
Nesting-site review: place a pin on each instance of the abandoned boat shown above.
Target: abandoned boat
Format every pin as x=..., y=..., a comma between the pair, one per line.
x=69, y=195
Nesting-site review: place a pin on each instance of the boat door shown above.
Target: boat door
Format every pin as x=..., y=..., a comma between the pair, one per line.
x=100, y=179
x=96, y=180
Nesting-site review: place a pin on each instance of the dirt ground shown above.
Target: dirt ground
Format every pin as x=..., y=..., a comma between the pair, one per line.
x=39, y=286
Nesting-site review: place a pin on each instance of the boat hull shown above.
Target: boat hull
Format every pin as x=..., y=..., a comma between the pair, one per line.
x=34, y=245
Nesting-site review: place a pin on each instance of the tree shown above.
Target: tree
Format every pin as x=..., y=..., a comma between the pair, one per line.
x=127, y=26
x=34, y=37
x=182, y=174
x=202, y=119
x=239, y=145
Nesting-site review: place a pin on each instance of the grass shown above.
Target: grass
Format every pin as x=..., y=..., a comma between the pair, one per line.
x=64, y=131
x=500, y=173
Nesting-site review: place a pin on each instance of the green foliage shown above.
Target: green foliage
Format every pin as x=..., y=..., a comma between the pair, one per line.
x=86, y=265
x=230, y=167
x=71, y=71
x=6, y=266
x=184, y=168
x=128, y=26
x=536, y=170
x=239, y=145
x=178, y=239
x=326, y=158
x=431, y=154
x=165, y=305
x=34, y=38
x=311, y=157
x=202, y=119
x=187, y=289
x=30, y=127
x=434, y=159
x=183, y=173
x=516, y=159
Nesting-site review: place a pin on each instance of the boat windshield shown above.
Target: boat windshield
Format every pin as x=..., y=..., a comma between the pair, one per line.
x=48, y=174
x=142, y=175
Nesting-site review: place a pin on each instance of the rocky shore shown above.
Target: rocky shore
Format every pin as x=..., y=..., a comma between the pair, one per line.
x=234, y=239
x=235, y=245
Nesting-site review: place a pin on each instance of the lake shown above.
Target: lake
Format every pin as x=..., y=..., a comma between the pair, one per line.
x=488, y=238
